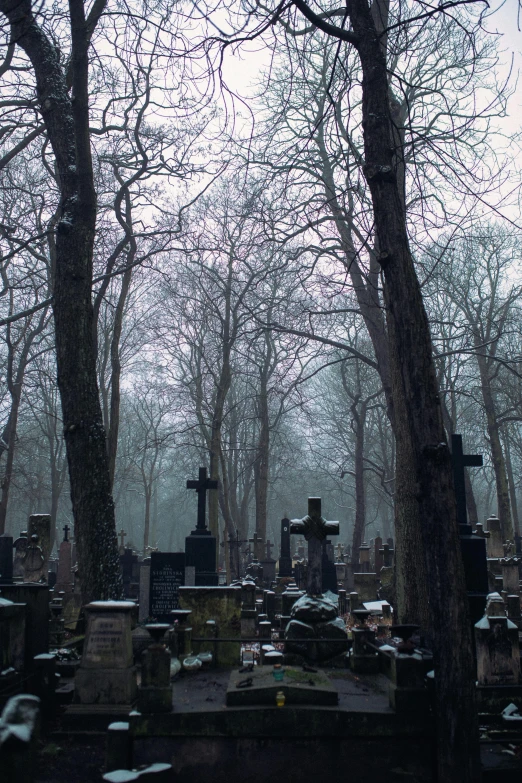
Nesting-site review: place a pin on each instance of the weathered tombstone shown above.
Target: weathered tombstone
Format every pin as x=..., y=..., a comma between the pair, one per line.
x=285, y=558
x=155, y=690
x=269, y=565
x=498, y=653
x=35, y=566
x=64, y=580
x=364, y=558
x=20, y=547
x=107, y=674
x=200, y=545
x=6, y=560
x=36, y=600
x=223, y=605
x=248, y=608
x=495, y=541
x=510, y=574
x=40, y=525
x=144, y=597
x=366, y=584
x=167, y=574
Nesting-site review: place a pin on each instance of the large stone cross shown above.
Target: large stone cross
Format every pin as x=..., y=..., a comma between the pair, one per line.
x=459, y=460
x=315, y=529
x=201, y=486
x=257, y=542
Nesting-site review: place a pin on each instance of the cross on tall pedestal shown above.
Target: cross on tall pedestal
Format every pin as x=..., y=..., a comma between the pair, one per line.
x=315, y=529
x=66, y=529
x=459, y=461
x=201, y=486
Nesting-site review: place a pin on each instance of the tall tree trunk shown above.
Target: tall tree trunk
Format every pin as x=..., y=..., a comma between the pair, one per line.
x=512, y=487
x=359, y=419
x=67, y=125
x=420, y=436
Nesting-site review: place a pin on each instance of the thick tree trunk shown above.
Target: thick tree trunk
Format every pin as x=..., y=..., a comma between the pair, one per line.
x=420, y=436
x=359, y=418
x=67, y=125
x=262, y=460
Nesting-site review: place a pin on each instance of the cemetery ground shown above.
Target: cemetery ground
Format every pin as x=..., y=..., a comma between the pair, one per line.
x=295, y=669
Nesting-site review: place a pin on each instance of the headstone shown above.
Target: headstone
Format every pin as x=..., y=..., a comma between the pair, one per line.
x=35, y=566
x=495, y=541
x=510, y=574
x=36, y=600
x=269, y=565
x=200, y=545
x=498, y=653
x=364, y=558
x=329, y=576
x=106, y=674
x=40, y=525
x=285, y=558
x=6, y=559
x=223, y=605
x=167, y=574
x=20, y=547
x=12, y=635
x=130, y=573
x=64, y=578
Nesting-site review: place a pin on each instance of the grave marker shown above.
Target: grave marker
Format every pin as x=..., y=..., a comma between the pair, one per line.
x=167, y=575
x=285, y=558
x=315, y=529
x=200, y=545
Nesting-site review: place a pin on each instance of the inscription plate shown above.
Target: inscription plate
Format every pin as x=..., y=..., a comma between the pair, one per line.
x=105, y=640
x=167, y=575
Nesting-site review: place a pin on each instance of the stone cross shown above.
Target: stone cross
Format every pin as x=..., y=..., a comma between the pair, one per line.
x=234, y=543
x=459, y=461
x=256, y=541
x=123, y=536
x=315, y=529
x=66, y=529
x=269, y=547
x=201, y=486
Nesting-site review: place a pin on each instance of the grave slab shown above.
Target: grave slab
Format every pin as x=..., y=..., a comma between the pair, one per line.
x=298, y=686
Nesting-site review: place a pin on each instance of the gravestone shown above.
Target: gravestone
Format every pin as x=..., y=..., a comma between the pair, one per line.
x=498, y=653
x=64, y=580
x=234, y=546
x=378, y=559
x=510, y=574
x=495, y=541
x=35, y=566
x=6, y=560
x=40, y=525
x=200, y=545
x=167, y=574
x=12, y=635
x=223, y=605
x=329, y=579
x=107, y=674
x=269, y=565
x=20, y=547
x=130, y=573
x=36, y=598
x=364, y=558
x=312, y=616
x=285, y=558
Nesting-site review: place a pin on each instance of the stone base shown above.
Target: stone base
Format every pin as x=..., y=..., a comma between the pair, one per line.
x=403, y=699
x=105, y=686
x=364, y=664
x=153, y=699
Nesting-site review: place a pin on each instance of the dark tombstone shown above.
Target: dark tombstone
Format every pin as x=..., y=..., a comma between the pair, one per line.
x=269, y=565
x=200, y=545
x=285, y=558
x=473, y=547
x=167, y=575
x=129, y=566
x=6, y=560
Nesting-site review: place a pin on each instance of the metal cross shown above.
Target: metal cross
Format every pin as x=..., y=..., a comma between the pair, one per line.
x=66, y=529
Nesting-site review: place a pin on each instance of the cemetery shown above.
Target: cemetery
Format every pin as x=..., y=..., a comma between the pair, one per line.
x=190, y=678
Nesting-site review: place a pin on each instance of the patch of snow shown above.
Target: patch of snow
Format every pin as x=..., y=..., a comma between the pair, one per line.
x=375, y=607
x=112, y=604
x=118, y=726
x=121, y=776
x=386, y=648
x=44, y=657
x=482, y=624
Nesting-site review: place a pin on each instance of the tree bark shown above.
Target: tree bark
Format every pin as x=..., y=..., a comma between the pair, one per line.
x=67, y=124
x=420, y=436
